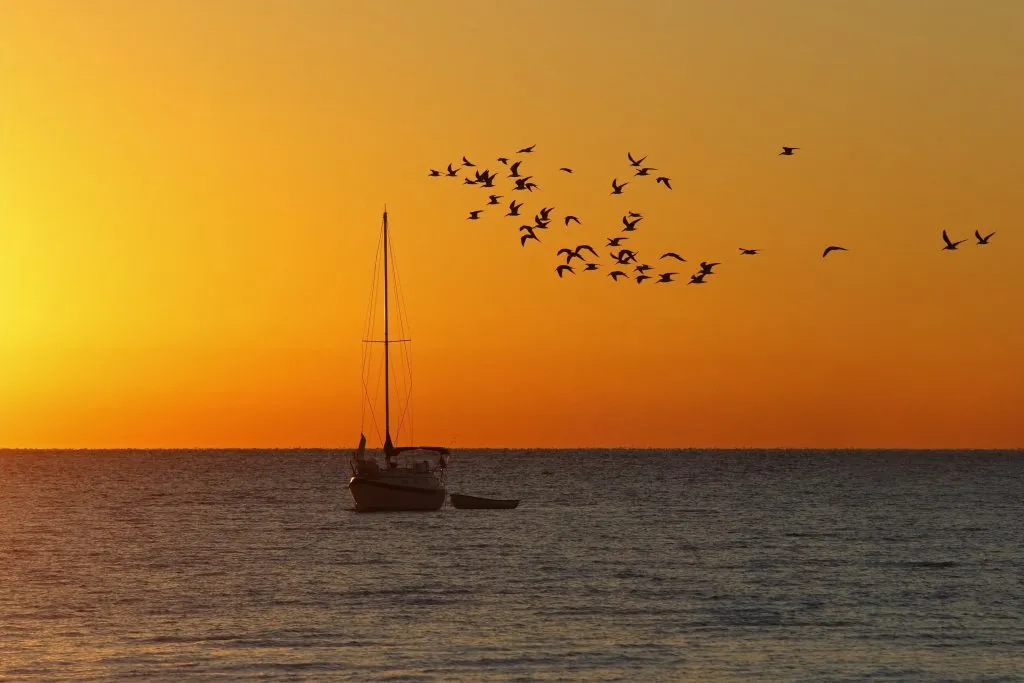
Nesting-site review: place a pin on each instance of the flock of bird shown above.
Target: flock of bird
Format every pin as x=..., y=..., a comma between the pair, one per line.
x=625, y=261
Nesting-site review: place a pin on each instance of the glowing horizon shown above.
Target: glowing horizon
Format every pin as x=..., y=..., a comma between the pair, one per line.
x=191, y=195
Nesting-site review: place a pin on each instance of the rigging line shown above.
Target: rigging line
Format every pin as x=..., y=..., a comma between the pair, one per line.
x=403, y=324
x=371, y=316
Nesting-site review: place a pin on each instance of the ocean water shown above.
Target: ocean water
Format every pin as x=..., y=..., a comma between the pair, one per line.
x=618, y=565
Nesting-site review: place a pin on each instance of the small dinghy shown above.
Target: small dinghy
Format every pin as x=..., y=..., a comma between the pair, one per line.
x=476, y=503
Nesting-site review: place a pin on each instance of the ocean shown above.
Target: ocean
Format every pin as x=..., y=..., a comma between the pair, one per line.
x=631, y=565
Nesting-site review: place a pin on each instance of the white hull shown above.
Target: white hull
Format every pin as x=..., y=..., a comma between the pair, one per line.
x=371, y=494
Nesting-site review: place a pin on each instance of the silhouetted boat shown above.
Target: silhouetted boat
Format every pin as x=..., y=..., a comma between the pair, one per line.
x=411, y=477
x=463, y=502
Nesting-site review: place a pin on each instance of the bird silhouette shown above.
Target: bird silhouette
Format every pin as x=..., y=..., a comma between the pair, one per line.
x=831, y=249
x=569, y=254
x=634, y=214
x=645, y=170
x=672, y=254
x=788, y=151
x=590, y=266
x=503, y=160
x=434, y=173
x=706, y=267
x=467, y=162
x=950, y=245
x=545, y=212
x=635, y=162
x=572, y=218
x=562, y=269
x=493, y=199
x=985, y=239
x=641, y=277
x=615, y=241
x=630, y=224
x=475, y=215
x=697, y=279
x=664, y=181
x=642, y=268
x=526, y=150
x=469, y=181
x=566, y=169
x=521, y=183
x=530, y=235
x=666, y=277
x=514, y=170
x=748, y=252
x=616, y=188
x=624, y=256
x=452, y=172
x=513, y=208
x=616, y=274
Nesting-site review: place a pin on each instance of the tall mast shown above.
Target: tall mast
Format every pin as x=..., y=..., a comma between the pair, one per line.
x=387, y=354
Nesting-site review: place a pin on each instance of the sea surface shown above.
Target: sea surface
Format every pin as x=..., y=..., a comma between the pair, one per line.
x=618, y=565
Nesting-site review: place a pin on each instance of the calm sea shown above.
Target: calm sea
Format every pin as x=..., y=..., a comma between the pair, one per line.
x=618, y=565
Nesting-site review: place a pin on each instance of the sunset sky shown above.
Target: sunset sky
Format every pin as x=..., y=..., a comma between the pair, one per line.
x=191, y=193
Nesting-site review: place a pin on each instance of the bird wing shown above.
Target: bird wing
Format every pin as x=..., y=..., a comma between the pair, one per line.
x=945, y=238
x=587, y=247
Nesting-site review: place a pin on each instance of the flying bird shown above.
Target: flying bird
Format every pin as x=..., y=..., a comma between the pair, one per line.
x=528, y=236
x=788, y=151
x=469, y=181
x=452, y=172
x=475, y=215
x=645, y=170
x=635, y=162
x=590, y=266
x=706, y=267
x=434, y=173
x=748, y=252
x=569, y=254
x=566, y=169
x=526, y=150
x=545, y=211
x=831, y=248
x=642, y=268
x=503, y=160
x=630, y=224
x=616, y=188
x=616, y=274
x=562, y=269
x=571, y=218
x=950, y=245
x=697, y=279
x=493, y=199
x=664, y=180
x=672, y=254
x=514, y=170
x=985, y=239
x=467, y=162
x=641, y=277
x=666, y=277
x=635, y=214
x=513, y=208
x=615, y=241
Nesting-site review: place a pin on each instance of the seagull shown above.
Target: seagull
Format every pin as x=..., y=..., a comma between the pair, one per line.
x=616, y=188
x=434, y=173
x=546, y=211
x=493, y=199
x=562, y=269
x=616, y=274
x=665, y=180
x=635, y=214
x=641, y=277
x=503, y=160
x=672, y=254
x=528, y=236
x=983, y=240
x=581, y=247
x=532, y=186
x=566, y=169
x=452, y=172
x=697, y=279
x=469, y=181
x=635, y=162
x=949, y=245
x=705, y=267
x=526, y=150
x=748, y=252
x=645, y=171
x=666, y=277
x=630, y=225
x=513, y=208
x=788, y=151
x=569, y=254
x=571, y=218
x=642, y=268
x=467, y=162
x=521, y=183
x=590, y=266
x=474, y=215
x=514, y=168
x=615, y=241
x=833, y=248
x=624, y=256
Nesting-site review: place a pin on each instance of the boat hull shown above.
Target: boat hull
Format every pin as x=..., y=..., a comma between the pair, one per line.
x=463, y=502
x=374, y=495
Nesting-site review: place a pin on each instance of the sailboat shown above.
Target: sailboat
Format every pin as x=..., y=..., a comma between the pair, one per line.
x=410, y=477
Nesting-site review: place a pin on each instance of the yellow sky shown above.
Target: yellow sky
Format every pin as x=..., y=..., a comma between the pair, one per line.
x=190, y=198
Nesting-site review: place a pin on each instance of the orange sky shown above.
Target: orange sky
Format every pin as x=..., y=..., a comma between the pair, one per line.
x=190, y=197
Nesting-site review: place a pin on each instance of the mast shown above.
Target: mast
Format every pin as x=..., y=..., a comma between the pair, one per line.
x=387, y=354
